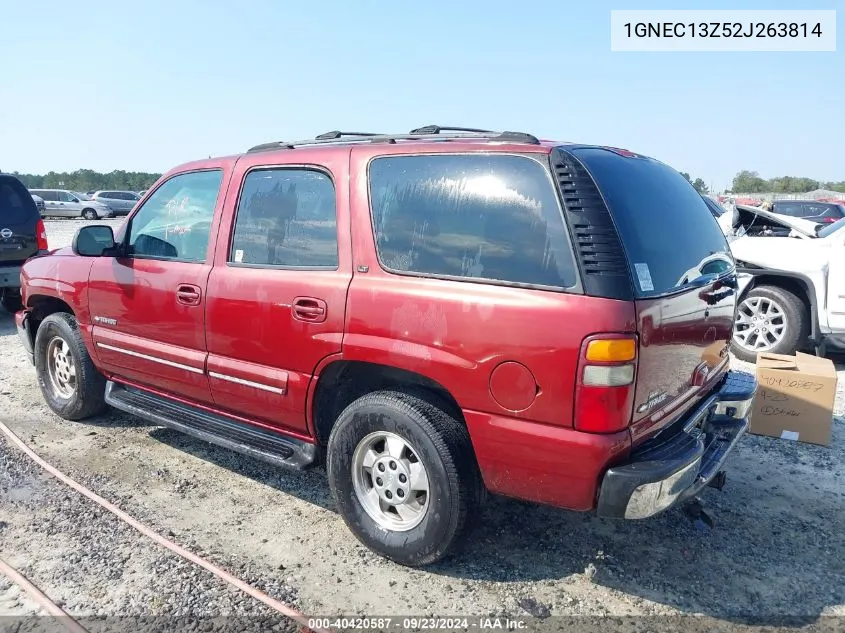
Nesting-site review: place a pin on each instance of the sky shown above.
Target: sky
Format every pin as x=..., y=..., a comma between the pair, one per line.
x=95, y=84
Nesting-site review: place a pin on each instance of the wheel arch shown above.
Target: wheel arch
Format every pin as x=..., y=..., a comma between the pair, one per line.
x=798, y=284
x=38, y=308
x=340, y=382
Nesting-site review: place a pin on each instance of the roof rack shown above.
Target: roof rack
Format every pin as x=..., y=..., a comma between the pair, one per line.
x=428, y=132
x=436, y=129
x=335, y=134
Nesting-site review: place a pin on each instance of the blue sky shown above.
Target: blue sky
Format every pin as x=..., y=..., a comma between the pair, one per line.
x=96, y=85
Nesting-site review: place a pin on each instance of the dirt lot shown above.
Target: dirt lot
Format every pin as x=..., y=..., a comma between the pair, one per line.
x=777, y=549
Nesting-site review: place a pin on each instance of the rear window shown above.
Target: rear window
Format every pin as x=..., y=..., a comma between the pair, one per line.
x=473, y=216
x=669, y=234
x=16, y=204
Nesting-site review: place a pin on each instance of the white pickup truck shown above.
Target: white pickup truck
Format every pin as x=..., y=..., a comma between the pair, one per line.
x=792, y=290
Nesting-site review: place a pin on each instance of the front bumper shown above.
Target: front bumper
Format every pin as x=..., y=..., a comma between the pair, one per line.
x=683, y=459
x=10, y=276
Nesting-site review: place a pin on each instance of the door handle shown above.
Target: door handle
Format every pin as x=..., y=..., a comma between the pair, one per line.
x=188, y=294
x=309, y=309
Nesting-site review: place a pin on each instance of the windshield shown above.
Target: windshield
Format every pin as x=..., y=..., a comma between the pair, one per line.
x=668, y=231
x=824, y=230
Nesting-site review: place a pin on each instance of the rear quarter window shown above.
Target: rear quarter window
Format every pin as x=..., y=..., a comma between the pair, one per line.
x=667, y=230
x=472, y=216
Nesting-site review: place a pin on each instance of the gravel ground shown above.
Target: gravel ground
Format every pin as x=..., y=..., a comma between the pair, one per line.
x=777, y=549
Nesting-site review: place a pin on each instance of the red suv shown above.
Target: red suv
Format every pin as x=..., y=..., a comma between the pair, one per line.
x=432, y=316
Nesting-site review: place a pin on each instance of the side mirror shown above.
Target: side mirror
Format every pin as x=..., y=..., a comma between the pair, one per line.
x=93, y=241
x=74, y=199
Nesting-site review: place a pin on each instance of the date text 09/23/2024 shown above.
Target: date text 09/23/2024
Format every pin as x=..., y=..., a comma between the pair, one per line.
x=416, y=623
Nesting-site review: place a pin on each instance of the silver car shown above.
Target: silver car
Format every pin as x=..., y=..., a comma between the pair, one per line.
x=120, y=202
x=66, y=204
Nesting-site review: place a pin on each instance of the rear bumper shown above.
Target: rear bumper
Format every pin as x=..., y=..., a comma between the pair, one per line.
x=10, y=276
x=678, y=463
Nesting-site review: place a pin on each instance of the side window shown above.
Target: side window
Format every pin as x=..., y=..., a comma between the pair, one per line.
x=286, y=217
x=792, y=209
x=478, y=216
x=48, y=196
x=175, y=222
x=822, y=210
x=64, y=196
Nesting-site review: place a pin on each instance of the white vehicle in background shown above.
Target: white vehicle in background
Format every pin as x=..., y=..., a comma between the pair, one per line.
x=794, y=295
x=62, y=203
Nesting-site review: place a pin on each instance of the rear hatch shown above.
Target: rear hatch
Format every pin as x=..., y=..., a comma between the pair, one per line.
x=18, y=222
x=683, y=279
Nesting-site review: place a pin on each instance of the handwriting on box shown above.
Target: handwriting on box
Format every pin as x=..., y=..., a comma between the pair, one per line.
x=791, y=383
x=777, y=403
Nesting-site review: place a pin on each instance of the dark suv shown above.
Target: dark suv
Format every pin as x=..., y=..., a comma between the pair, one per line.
x=432, y=315
x=22, y=235
x=812, y=210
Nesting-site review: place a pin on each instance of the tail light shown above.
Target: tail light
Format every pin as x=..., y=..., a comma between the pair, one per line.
x=41, y=236
x=604, y=389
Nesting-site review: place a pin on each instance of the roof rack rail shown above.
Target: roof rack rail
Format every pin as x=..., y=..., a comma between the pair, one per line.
x=437, y=129
x=336, y=134
x=518, y=137
x=332, y=138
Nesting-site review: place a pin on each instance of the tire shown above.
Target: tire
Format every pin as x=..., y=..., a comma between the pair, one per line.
x=441, y=446
x=795, y=320
x=11, y=301
x=90, y=214
x=87, y=395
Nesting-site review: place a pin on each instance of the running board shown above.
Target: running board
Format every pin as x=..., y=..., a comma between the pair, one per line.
x=217, y=429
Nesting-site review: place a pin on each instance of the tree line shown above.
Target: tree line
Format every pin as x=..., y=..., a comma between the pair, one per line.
x=748, y=181
x=745, y=181
x=89, y=180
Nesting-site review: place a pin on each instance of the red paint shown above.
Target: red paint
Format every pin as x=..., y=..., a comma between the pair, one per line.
x=679, y=335
x=509, y=356
x=543, y=463
x=512, y=386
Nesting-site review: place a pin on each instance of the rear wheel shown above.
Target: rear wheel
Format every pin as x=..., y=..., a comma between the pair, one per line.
x=90, y=214
x=403, y=475
x=769, y=319
x=71, y=385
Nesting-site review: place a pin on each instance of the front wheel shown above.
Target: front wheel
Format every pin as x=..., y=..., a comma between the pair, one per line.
x=71, y=385
x=90, y=214
x=404, y=477
x=769, y=319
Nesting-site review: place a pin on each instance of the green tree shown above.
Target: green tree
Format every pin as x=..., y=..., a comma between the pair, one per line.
x=89, y=180
x=701, y=187
x=698, y=183
x=748, y=182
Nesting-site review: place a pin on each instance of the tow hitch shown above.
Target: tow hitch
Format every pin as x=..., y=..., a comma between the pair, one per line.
x=718, y=481
x=696, y=513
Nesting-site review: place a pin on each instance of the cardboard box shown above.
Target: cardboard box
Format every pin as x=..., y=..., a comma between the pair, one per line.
x=794, y=399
